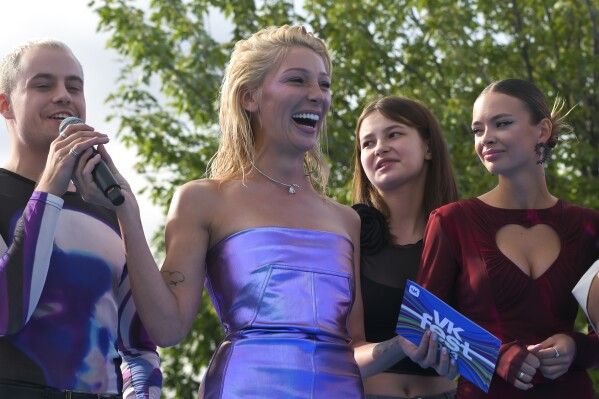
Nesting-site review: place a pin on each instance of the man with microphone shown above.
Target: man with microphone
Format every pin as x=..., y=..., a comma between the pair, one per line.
x=68, y=324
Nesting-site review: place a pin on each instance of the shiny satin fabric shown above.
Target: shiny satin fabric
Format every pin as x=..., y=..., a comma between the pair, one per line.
x=283, y=296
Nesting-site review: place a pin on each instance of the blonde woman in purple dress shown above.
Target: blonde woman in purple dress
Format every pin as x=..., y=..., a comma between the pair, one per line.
x=278, y=257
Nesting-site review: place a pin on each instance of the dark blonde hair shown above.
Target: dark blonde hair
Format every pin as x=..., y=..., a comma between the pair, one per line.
x=250, y=61
x=537, y=105
x=440, y=187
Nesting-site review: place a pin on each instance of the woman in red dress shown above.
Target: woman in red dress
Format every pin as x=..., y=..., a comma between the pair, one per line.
x=508, y=259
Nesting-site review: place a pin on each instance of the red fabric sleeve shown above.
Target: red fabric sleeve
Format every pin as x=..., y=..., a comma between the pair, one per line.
x=509, y=362
x=587, y=349
x=438, y=266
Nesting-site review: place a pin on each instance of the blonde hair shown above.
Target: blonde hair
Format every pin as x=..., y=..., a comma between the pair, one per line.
x=11, y=63
x=251, y=60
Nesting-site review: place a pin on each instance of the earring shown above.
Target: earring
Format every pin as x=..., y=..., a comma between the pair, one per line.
x=545, y=154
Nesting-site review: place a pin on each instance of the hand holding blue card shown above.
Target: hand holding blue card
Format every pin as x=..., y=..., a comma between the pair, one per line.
x=474, y=348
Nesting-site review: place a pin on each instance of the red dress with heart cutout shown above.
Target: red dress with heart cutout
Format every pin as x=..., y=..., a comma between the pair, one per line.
x=463, y=265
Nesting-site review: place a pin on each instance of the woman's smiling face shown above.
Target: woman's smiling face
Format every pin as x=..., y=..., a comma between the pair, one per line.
x=293, y=100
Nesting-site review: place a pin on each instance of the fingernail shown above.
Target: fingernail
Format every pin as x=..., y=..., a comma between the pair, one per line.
x=444, y=350
x=434, y=337
x=452, y=361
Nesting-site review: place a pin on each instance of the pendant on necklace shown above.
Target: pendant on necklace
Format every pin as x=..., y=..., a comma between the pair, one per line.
x=292, y=187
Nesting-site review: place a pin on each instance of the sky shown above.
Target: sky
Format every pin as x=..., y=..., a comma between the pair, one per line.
x=74, y=23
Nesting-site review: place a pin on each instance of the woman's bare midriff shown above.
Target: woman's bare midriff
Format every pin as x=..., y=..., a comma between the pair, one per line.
x=406, y=385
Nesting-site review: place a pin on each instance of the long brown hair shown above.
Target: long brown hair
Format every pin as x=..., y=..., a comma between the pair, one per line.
x=440, y=187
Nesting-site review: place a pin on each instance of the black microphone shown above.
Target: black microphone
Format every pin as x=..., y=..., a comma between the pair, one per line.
x=101, y=174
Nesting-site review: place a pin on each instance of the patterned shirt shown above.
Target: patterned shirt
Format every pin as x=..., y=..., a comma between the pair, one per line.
x=67, y=317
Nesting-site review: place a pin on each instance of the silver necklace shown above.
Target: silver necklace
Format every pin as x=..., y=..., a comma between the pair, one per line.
x=292, y=187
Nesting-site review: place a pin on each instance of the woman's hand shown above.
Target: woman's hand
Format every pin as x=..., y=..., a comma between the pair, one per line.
x=528, y=369
x=556, y=354
x=425, y=354
x=88, y=188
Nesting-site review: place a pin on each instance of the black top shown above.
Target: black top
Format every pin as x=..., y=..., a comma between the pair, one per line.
x=384, y=269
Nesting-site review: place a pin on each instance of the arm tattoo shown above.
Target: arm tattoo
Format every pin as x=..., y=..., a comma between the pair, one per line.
x=173, y=278
x=381, y=348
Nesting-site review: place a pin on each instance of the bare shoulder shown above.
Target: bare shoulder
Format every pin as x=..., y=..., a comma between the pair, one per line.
x=196, y=189
x=344, y=211
x=195, y=201
x=346, y=216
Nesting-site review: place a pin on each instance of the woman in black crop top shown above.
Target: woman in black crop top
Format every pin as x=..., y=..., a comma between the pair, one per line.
x=402, y=172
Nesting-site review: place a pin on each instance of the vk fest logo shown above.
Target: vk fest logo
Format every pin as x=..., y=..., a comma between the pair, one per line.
x=445, y=329
x=474, y=348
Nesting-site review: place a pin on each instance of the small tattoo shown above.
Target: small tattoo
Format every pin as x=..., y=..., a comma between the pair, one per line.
x=382, y=347
x=173, y=278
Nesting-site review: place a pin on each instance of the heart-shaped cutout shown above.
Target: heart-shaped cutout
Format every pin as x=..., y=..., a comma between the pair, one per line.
x=532, y=249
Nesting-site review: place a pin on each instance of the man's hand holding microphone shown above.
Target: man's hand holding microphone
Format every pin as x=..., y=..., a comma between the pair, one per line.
x=101, y=174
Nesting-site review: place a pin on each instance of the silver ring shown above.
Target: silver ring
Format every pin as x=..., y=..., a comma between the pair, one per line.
x=520, y=375
x=74, y=152
x=62, y=134
x=556, y=352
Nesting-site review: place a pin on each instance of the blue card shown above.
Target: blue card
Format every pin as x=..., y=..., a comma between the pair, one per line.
x=474, y=348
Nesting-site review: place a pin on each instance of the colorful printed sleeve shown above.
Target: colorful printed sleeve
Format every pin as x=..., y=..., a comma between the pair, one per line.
x=24, y=264
x=142, y=378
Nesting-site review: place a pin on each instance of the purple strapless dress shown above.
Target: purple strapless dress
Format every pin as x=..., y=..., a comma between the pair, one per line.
x=283, y=296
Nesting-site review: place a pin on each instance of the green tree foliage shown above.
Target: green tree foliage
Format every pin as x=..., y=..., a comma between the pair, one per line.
x=443, y=52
